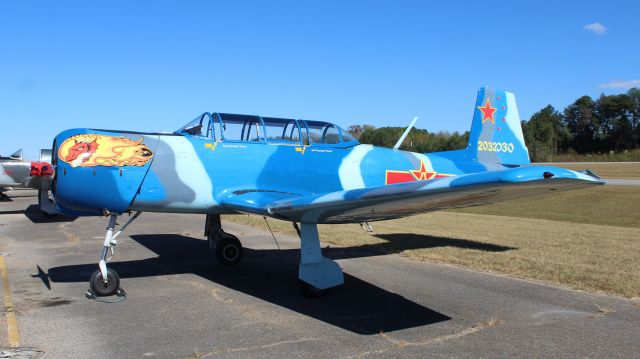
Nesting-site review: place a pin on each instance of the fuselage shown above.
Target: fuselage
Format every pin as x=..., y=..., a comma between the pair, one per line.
x=15, y=173
x=182, y=173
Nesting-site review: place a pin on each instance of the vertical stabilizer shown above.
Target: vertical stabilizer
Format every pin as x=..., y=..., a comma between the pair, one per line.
x=496, y=132
x=17, y=155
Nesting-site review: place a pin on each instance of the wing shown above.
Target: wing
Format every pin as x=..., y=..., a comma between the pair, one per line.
x=254, y=201
x=405, y=199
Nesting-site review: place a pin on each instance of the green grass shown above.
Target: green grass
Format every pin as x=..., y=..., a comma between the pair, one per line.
x=605, y=205
x=624, y=156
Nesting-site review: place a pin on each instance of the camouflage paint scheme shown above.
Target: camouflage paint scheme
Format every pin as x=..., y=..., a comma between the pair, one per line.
x=319, y=183
x=342, y=181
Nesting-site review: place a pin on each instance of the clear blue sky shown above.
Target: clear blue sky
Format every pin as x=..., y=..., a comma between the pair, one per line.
x=155, y=65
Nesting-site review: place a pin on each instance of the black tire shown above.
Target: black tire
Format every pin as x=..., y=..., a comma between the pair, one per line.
x=310, y=291
x=229, y=250
x=102, y=288
x=49, y=215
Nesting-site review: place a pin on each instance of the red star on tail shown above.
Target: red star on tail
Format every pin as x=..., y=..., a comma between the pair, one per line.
x=487, y=112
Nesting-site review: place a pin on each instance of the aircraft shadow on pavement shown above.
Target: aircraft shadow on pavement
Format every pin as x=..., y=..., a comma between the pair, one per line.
x=397, y=242
x=271, y=275
x=19, y=211
x=35, y=215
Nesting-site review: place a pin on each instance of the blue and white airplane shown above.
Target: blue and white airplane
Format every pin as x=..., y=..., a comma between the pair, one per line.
x=305, y=172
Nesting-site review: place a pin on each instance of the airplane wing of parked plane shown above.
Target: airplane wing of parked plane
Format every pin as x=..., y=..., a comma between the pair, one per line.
x=405, y=199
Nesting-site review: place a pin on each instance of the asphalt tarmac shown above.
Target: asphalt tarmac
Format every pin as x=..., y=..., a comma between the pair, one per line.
x=182, y=304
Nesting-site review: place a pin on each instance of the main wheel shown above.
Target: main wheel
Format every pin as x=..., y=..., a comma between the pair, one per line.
x=49, y=215
x=103, y=288
x=310, y=291
x=229, y=250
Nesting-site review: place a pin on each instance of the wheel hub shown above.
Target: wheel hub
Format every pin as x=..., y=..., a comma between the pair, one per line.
x=230, y=252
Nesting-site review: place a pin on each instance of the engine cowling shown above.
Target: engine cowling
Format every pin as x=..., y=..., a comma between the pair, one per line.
x=98, y=170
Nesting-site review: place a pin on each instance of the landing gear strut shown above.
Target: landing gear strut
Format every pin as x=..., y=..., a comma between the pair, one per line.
x=45, y=204
x=316, y=273
x=105, y=281
x=226, y=246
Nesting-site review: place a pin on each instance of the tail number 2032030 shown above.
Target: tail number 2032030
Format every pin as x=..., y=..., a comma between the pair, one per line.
x=490, y=146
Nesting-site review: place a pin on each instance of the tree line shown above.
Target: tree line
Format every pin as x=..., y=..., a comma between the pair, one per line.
x=417, y=140
x=607, y=125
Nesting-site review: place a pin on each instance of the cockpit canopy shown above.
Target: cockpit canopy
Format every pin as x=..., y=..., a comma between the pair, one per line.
x=246, y=128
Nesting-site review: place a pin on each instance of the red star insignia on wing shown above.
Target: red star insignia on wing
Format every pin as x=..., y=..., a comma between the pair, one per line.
x=487, y=112
x=395, y=176
x=422, y=174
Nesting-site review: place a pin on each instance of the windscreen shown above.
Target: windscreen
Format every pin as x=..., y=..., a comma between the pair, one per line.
x=198, y=127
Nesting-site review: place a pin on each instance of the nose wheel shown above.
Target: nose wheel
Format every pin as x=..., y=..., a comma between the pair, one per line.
x=104, y=287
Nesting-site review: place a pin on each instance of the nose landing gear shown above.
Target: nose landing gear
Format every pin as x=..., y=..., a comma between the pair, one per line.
x=106, y=281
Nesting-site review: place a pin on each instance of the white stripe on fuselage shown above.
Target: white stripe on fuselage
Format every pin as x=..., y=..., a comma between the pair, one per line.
x=426, y=160
x=349, y=170
x=191, y=172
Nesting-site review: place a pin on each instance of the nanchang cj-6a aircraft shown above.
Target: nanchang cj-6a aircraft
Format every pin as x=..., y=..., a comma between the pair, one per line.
x=306, y=172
